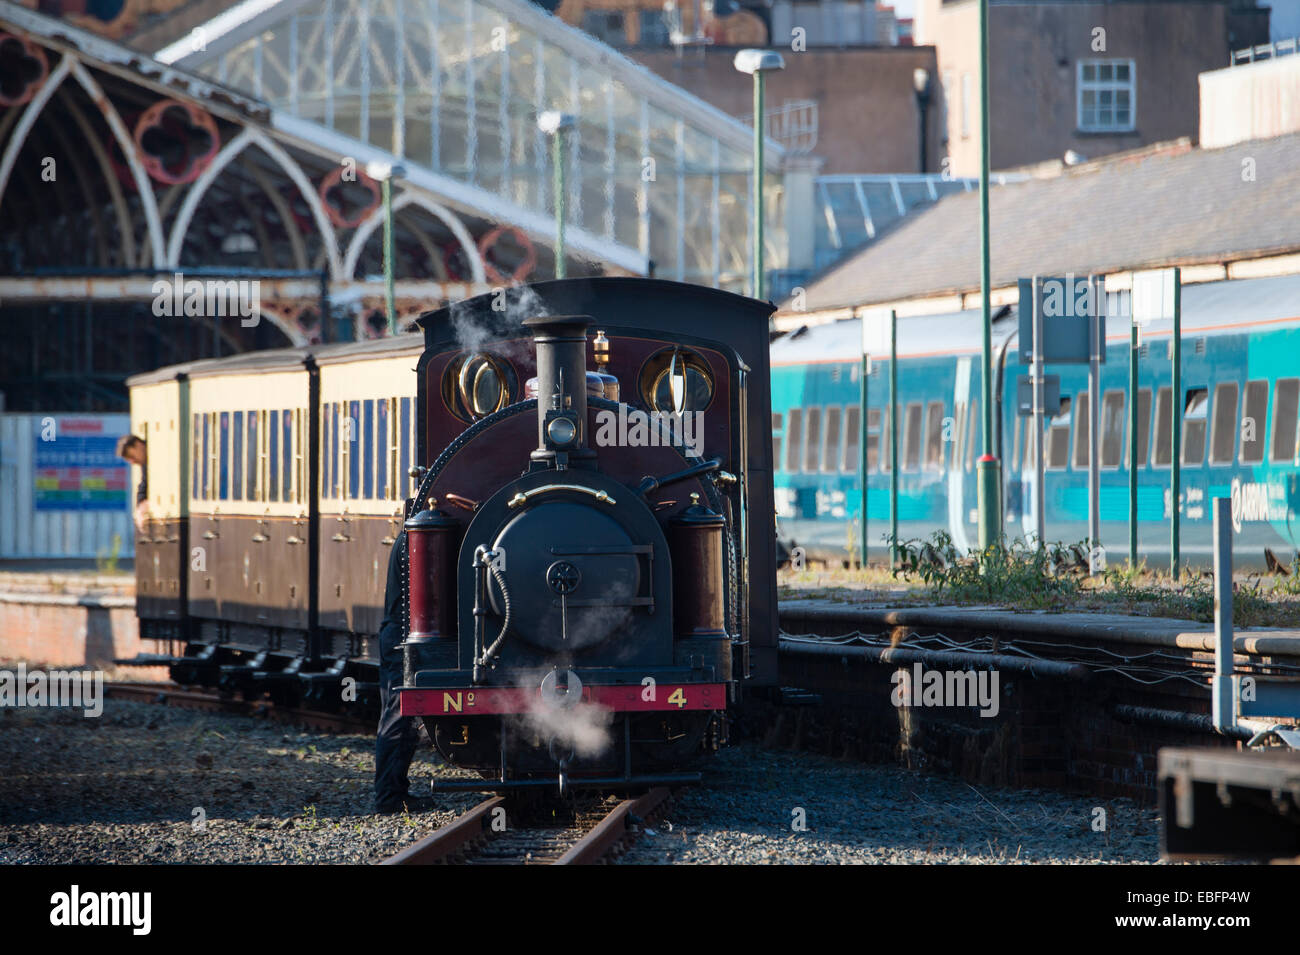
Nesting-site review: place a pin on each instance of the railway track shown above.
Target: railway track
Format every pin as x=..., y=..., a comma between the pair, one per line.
x=166, y=694
x=486, y=834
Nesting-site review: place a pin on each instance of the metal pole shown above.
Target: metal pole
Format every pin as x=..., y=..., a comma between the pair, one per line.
x=561, y=199
x=1096, y=295
x=1133, y=461
x=388, y=255
x=1040, y=471
x=1176, y=412
x=863, y=403
x=893, y=439
x=989, y=479
x=1224, y=699
x=758, y=184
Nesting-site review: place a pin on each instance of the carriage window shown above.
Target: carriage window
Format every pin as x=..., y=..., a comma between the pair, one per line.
x=286, y=454
x=793, y=437
x=912, y=437
x=1223, y=440
x=300, y=453
x=223, y=456
x=1286, y=400
x=1058, y=438
x=338, y=451
x=1195, y=411
x=1254, y=417
x=382, y=426
x=1082, y=433
x=273, y=457
x=251, y=462
x=813, y=439
x=405, y=431
x=237, y=457
x=777, y=419
x=352, y=448
x=1144, y=424
x=367, y=449
x=326, y=442
x=1163, y=453
x=1112, y=429
x=934, y=425
x=199, y=454
x=852, y=440
x=873, y=440
x=831, y=448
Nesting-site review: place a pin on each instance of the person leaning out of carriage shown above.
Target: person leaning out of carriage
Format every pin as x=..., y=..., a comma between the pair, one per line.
x=131, y=448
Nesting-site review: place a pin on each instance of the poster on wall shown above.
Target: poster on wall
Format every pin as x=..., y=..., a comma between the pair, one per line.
x=76, y=467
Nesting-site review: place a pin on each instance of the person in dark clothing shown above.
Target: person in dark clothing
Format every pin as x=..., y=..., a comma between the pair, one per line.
x=397, y=736
x=132, y=449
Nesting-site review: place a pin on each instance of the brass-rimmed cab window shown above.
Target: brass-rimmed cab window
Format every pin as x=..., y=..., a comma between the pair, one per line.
x=477, y=384
x=677, y=376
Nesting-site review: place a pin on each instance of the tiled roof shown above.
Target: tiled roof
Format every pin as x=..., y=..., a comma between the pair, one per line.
x=1160, y=207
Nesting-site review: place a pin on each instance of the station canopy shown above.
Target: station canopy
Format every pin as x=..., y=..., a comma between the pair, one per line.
x=452, y=90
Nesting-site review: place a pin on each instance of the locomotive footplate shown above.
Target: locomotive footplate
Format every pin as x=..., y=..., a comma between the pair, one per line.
x=472, y=700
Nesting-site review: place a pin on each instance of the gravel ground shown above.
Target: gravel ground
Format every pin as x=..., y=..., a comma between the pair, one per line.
x=151, y=784
x=855, y=813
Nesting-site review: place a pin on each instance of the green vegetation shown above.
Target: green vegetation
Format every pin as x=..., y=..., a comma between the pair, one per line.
x=1054, y=577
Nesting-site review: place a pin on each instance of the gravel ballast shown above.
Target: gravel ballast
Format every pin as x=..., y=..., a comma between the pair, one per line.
x=152, y=784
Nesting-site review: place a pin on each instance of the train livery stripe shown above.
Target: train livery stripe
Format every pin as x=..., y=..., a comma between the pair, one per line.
x=496, y=700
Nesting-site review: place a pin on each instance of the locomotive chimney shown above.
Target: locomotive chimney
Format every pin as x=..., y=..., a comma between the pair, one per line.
x=561, y=342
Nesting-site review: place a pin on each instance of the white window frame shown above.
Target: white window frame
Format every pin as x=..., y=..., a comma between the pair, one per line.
x=1108, y=86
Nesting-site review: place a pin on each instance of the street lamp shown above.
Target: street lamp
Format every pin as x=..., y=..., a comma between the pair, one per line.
x=758, y=62
x=554, y=124
x=383, y=173
x=921, y=83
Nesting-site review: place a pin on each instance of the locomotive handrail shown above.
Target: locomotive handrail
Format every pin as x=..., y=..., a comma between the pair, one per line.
x=523, y=496
x=649, y=484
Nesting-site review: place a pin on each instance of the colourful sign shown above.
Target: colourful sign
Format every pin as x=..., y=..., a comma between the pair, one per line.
x=76, y=468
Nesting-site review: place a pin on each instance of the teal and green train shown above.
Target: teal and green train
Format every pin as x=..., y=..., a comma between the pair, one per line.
x=1240, y=397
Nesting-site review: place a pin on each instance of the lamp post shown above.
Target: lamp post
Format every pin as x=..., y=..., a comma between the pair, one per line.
x=383, y=173
x=921, y=84
x=989, y=468
x=554, y=124
x=758, y=62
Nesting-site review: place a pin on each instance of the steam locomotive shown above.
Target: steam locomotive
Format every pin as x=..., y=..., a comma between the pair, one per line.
x=579, y=476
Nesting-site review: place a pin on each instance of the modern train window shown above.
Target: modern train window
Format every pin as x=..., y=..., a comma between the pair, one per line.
x=973, y=434
x=1223, y=438
x=1195, y=412
x=959, y=415
x=793, y=436
x=834, y=439
x=874, y=418
x=1144, y=424
x=1058, y=438
x=1112, y=429
x=1163, y=453
x=852, y=440
x=1017, y=430
x=1082, y=432
x=812, y=439
x=1286, y=400
x=912, y=437
x=1253, y=419
x=777, y=419
x=934, y=428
